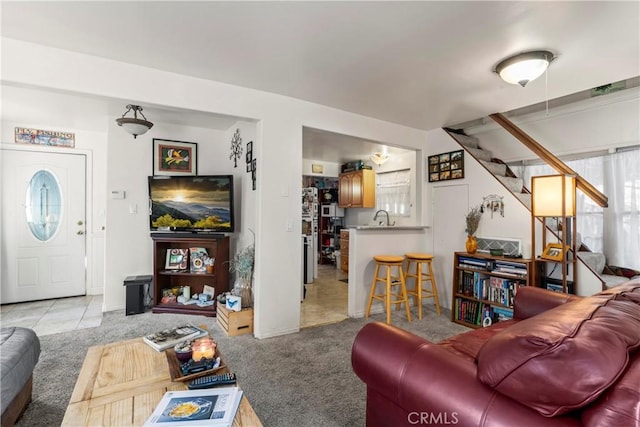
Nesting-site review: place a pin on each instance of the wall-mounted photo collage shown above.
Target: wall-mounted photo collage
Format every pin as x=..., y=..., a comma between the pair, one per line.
x=446, y=166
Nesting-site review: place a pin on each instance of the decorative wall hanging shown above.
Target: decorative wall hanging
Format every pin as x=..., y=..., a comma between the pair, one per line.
x=174, y=157
x=236, y=148
x=45, y=137
x=249, y=156
x=251, y=163
x=446, y=166
x=493, y=203
x=253, y=173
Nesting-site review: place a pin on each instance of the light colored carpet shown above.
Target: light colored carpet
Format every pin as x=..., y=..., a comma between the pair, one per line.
x=301, y=379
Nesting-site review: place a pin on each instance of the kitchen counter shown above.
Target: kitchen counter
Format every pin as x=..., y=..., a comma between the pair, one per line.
x=388, y=228
x=365, y=241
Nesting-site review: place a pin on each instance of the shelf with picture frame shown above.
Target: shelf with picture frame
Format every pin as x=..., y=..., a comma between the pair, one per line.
x=554, y=201
x=216, y=246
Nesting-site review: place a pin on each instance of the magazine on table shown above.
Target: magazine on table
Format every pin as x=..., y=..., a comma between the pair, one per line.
x=205, y=407
x=168, y=338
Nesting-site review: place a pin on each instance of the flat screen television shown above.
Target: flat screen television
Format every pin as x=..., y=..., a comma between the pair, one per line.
x=196, y=203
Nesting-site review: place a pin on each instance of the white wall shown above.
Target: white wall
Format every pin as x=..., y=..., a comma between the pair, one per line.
x=329, y=169
x=278, y=141
x=599, y=123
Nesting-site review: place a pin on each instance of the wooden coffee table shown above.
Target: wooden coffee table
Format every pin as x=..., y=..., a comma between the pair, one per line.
x=121, y=383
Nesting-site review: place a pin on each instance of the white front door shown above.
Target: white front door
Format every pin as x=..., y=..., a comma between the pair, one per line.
x=43, y=225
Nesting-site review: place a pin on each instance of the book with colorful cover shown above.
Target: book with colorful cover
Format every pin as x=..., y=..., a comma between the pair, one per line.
x=168, y=338
x=206, y=407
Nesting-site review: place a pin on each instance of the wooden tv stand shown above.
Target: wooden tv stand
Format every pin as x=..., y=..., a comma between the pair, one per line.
x=217, y=246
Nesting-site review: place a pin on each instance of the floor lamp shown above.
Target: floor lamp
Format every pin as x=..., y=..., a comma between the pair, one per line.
x=554, y=196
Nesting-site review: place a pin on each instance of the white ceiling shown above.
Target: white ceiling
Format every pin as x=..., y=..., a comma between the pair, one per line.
x=421, y=64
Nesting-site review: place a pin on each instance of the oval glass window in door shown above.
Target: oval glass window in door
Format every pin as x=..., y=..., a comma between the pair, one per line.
x=43, y=205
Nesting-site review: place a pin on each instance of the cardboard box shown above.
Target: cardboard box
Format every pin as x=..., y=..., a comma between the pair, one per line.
x=235, y=322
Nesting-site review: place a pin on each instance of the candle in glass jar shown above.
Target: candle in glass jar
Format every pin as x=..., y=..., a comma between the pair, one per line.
x=203, y=348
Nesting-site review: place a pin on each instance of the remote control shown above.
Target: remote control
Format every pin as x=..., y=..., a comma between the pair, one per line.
x=212, y=381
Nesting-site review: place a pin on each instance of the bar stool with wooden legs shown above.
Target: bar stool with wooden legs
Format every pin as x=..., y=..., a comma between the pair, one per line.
x=389, y=261
x=423, y=273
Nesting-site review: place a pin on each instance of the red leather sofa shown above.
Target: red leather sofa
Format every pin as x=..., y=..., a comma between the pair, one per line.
x=562, y=361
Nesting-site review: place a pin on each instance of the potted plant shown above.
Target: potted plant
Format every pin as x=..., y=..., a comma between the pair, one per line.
x=472, y=222
x=242, y=264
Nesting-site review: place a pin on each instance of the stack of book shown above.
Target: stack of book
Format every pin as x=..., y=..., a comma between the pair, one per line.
x=502, y=291
x=475, y=263
x=468, y=311
x=496, y=314
x=168, y=338
x=510, y=268
x=473, y=283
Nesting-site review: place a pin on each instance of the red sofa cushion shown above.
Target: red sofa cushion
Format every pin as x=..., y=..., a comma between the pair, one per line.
x=468, y=344
x=620, y=404
x=566, y=357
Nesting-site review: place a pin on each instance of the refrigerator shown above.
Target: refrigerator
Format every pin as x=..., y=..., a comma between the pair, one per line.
x=310, y=210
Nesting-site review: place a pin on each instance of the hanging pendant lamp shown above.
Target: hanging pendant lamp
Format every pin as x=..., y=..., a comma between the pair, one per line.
x=134, y=125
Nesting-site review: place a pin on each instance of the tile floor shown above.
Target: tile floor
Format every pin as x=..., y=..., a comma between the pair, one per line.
x=326, y=302
x=52, y=316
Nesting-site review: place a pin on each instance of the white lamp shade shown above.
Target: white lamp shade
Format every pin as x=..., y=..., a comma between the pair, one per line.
x=547, y=195
x=135, y=126
x=379, y=158
x=525, y=67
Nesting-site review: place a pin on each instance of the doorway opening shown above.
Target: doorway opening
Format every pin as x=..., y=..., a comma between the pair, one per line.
x=325, y=285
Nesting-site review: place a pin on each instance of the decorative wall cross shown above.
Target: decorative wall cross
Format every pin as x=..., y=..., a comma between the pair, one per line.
x=236, y=148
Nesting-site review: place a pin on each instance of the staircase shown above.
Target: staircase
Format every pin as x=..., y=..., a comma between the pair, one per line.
x=593, y=260
x=495, y=166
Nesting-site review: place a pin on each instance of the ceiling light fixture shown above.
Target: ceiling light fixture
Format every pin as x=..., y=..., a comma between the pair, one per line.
x=522, y=68
x=134, y=125
x=379, y=158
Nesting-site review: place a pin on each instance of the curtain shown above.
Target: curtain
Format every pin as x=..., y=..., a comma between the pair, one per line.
x=614, y=231
x=622, y=217
x=393, y=192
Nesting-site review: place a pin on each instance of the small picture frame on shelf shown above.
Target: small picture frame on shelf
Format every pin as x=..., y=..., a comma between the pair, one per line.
x=554, y=252
x=177, y=259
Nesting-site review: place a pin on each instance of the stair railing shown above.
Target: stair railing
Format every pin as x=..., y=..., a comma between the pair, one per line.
x=557, y=164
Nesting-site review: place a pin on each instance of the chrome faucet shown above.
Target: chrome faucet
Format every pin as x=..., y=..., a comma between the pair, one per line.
x=375, y=217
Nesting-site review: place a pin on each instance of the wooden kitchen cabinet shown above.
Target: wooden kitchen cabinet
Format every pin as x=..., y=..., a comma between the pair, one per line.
x=344, y=250
x=357, y=189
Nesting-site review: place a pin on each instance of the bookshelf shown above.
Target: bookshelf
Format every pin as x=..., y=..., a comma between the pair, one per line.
x=484, y=287
x=217, y=246
x=329, y=239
